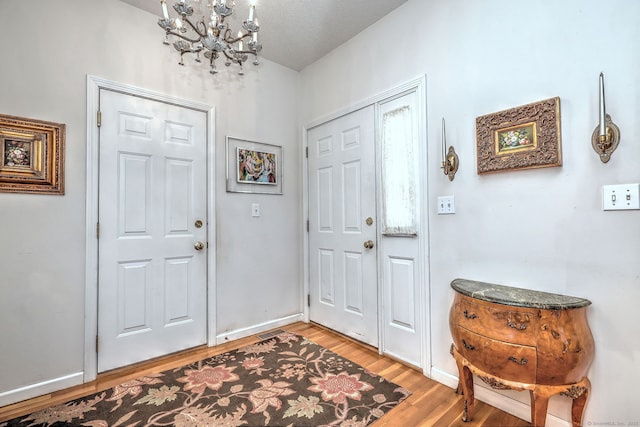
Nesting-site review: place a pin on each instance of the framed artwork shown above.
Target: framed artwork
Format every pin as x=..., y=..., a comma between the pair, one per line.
x=31, y=156
x=524, y=137
x=253, y=167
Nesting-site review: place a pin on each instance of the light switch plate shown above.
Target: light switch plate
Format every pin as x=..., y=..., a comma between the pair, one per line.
x=620, y=197
x=446, y=205
x=255, y=210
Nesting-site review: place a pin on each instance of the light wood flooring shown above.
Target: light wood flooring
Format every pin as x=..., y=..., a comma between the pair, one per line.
x=431, y=403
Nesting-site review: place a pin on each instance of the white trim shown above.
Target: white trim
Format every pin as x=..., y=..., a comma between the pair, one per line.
x=424, y=227
x=212, y=301
x=419, y=86
x=500, y=401
x=374, y=99
x=444, y=378
x=94, y=84
x=256, y=329
x=306, y=291
x=91, y=241
x=39, y=389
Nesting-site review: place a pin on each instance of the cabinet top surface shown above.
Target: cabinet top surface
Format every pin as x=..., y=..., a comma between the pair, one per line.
x=518, y=297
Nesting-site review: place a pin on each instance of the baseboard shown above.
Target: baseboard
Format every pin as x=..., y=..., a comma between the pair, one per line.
x=500, y=401
x=256, y=329
x=39, y=389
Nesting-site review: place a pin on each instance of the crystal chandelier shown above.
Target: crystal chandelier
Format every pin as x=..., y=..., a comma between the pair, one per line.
x=212, y=37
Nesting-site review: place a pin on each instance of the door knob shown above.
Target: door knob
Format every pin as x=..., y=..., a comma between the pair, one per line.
x=199, y=246
x=368, y=244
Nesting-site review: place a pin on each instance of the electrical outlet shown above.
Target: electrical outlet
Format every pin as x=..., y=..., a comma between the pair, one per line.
x=620, y=197
x=446, y=205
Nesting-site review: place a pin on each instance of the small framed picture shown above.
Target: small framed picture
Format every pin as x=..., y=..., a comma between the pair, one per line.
x=31, y=156
x=524, y=137
x=253, y=167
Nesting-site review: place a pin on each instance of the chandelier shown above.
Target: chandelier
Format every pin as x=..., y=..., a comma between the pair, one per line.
x=210, y=34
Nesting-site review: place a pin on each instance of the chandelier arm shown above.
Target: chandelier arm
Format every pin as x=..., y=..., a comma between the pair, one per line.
x=189, y=50
x=232, y=58
x=229, y=39
x=183, y=37
x=195, y=27
x=252, y=52
x=227, y=36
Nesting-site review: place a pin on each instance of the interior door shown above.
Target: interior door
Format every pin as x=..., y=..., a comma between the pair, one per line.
x=152, y=282
x=342, y=229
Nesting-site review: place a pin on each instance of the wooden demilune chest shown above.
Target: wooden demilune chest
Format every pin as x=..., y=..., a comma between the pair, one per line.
x=520, y=339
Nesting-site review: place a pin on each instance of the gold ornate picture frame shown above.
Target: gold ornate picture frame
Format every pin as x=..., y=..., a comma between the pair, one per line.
x=524, y=137
x=31, y=156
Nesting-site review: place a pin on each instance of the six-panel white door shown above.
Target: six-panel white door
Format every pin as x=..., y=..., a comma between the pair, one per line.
x=152, y=283
x=343, y=272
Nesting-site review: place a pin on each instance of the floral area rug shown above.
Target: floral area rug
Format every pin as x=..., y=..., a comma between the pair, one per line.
x=286, y=380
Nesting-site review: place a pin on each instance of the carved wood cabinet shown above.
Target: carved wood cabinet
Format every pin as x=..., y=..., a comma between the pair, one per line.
x=519, y=339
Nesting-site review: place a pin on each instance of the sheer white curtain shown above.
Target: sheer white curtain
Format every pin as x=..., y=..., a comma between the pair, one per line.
x=399, y=167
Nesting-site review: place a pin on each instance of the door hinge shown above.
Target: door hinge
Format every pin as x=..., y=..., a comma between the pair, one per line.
x=307, y=152
x=99, y=118
x=308, y=226
x=96, y=343
x=97, y=230
x=308, y=300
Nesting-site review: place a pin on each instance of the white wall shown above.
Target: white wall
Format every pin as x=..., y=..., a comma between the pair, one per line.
x=541, y=229
x=47, y=51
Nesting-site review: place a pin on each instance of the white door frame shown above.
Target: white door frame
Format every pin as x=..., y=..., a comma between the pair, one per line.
x=419, y=86
x=94, y=84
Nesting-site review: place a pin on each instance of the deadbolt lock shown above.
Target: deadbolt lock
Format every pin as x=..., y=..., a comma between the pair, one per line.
x=199, y=223
x=369, y=221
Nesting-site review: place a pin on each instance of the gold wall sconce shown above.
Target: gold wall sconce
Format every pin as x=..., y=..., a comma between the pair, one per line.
x=450, y=159
x=606, y=136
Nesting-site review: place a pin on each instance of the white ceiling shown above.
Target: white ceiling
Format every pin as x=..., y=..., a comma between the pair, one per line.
x=295, y=33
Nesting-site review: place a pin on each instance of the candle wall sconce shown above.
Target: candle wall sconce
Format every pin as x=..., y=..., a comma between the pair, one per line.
x=450, y=159
x=606, y=136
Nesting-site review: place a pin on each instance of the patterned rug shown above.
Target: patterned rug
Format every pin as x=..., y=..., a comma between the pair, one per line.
x=286, y=380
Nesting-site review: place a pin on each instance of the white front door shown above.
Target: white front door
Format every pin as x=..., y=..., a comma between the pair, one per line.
x=152, y=281
x=343, y=272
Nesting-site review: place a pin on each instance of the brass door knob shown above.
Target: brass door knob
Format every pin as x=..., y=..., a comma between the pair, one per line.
x=199, y=246
x=368, y=244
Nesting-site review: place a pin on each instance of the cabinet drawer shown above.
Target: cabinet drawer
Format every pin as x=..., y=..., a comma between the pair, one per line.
x=504, y=360
x=502, y=324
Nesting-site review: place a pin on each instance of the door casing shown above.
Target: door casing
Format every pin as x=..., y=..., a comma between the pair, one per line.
x=94, y=84
x=419, y=86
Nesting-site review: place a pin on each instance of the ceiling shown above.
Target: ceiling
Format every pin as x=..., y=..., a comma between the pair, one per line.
x=295, y=33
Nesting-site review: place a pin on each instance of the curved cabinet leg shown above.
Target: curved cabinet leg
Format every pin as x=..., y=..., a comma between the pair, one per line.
x=579, y=403
x=539, y=404
x=466, y=379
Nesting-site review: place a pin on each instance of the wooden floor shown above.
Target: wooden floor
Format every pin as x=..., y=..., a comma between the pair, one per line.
x=431, y=403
